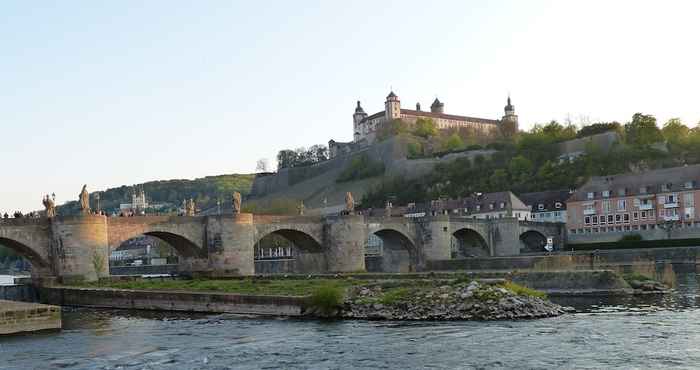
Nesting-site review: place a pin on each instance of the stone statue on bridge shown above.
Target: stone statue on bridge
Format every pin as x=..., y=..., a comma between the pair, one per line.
x=191, y=208
x=301, y=208
x=50, y=206
x=387, y=209
x=236, y=203
x=349, y=203
x=84, y=197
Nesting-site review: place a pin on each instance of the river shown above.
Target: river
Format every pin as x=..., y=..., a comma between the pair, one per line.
x=652, y=332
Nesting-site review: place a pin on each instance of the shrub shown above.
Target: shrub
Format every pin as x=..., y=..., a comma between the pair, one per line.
x=631, y=238
x=361, y=167
x=415, y=150
x=393, y=296
x=636, y=276
x=326, y=299
x=523, y=290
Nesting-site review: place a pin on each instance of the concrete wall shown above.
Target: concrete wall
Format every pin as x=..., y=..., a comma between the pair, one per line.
x=174, y=301
x=16, y=317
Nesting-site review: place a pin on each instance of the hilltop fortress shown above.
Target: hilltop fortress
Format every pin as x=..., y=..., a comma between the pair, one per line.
x=366, y=127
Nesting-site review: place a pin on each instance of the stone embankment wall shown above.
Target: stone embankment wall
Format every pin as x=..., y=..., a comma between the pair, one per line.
x=144, y=270
x=16, y=317
x=174, y=301
x=23, y=292
x=573, y=261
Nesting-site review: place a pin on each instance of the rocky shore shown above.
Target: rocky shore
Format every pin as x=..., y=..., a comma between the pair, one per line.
x=455, y=301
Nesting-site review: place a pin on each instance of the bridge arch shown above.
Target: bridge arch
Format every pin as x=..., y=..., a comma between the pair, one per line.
x=184, y=247
x=532, y=241
x=30, y=254
x=397, y=252
x=289, y=250
x=467, y=242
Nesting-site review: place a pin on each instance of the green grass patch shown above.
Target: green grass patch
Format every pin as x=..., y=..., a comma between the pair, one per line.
x=282, y=287
x=394, y=296
x=326, y=299
x=523, y=290
x=636, y=276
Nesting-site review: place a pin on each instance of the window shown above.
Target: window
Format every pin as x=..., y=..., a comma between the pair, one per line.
x=492, y=205
x=621, y=204
x=602, y=220
x=689, y=184
x=587, y=220
x=478, y=207
x=635, y=216
x=626, y=217
x=503, y=205
x=572, y=231
x=643, y=190
x=557, y=205
x=540, y=206
x=595, y=220
x=590, y=195
x=606, y=193
x=688, y=200
x=621, y=192
x=607, y=206
x=610, y=219
x=618, y=219
x=671, y=198
x=666, y=187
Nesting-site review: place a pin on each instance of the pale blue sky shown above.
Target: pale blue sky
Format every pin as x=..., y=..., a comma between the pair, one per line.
x=122, y=92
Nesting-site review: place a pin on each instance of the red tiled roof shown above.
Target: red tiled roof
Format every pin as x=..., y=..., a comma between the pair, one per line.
x=421, y=113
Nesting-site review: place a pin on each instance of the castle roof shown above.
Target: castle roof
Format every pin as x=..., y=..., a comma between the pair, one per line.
x=437, y=103
x=420, y=113
x=391, y=95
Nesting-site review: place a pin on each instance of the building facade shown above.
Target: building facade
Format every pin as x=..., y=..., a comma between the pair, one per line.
x=502, y=204
x=649, y=204
x=365, y=126
x=547, y=206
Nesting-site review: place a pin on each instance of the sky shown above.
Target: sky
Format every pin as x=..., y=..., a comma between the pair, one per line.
x=124, y=92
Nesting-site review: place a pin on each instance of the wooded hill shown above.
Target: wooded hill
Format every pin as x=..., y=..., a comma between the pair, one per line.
x=205, y=191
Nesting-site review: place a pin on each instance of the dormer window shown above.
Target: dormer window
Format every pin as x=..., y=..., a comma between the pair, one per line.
x=557, y=205
x=606, y=193
x=503, y=205
x=540, y=207
x=666, y=187
x=492, y=205
x=643, y=190
x=590, y=195
x=621, y=192
x=478, y=207
x=689, y=184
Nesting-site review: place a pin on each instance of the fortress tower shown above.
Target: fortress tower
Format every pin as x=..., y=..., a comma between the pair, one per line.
x=357, y=117
x=509, y=122
x=392, y=107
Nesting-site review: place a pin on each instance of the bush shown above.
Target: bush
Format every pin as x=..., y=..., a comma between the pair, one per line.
x=361, y=167
x=635, y=276
x=393, y=296
x=631, y=238
x=523, y=290
x=414, y=149
x=326, y=299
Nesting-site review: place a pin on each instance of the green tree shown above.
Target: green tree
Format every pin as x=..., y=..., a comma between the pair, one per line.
x=642, y=131
x=425, y=127
x=454, y=142
x=499, y=180
x=675, y=132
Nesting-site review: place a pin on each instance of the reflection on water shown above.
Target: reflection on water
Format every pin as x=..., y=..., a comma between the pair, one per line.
x=656, y=331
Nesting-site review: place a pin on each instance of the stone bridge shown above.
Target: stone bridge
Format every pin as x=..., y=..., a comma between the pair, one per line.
x=78, y=247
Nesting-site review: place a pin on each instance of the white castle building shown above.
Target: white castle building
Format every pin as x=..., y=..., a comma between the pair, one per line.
x=365, y=126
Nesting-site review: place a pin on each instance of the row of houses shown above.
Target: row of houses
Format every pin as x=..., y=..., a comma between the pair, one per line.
x=600, y=210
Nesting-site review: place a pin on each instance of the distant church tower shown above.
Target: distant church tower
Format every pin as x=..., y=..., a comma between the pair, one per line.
x=392, y=107
x=357, y=117
x=509, y=122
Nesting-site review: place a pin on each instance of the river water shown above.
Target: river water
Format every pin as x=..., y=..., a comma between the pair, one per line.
x=653, y=332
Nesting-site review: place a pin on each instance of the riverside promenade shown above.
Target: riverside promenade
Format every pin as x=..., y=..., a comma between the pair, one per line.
x=18, y=317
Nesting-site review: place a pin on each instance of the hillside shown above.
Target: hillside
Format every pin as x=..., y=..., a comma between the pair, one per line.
x=435, y=164
x=205, y=191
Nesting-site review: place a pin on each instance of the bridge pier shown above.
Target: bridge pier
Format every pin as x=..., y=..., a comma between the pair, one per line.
x=79, y=248
x=230, y=244
x=345, y=240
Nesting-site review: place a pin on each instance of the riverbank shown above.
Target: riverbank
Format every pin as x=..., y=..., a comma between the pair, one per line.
x=20, y=317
